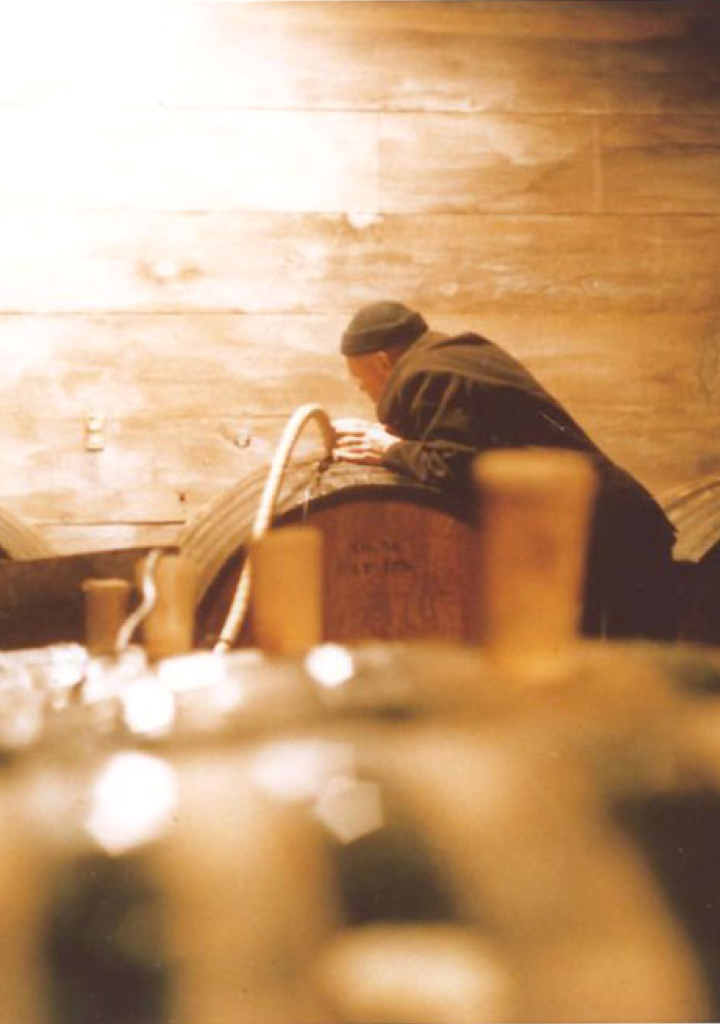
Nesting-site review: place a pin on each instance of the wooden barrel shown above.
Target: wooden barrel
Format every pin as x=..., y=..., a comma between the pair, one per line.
x=398, y=556
x=19, y=540
x=694, y=508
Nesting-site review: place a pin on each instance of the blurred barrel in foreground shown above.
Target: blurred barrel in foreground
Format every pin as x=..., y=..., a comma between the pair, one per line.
x=378, y=833
x=534, y=516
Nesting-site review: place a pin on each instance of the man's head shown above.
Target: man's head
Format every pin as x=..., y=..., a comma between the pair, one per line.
x=374, y=340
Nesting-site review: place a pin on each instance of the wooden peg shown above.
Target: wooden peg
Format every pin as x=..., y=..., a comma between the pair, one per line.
x=286, y=566
x=106, y=608
x=169, y=627
x=534, y=510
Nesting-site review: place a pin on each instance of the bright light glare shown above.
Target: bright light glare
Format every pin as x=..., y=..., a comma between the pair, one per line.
x=133, y=800
x=91, y=52
x=330, y=665
x=350, y=808
x=297, y=770
x=107, y=676
x=148, y=707
x=68, y=665
x=191, y=671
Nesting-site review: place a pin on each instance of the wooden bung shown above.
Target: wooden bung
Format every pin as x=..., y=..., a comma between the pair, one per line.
x=106, y=605
x=286, y=566
x=534, y=509
x=169, y=627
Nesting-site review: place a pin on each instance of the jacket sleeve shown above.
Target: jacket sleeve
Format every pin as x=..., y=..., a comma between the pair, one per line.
x=436, y=415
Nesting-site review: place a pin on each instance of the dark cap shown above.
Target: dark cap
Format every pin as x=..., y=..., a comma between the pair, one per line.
x=381, y=325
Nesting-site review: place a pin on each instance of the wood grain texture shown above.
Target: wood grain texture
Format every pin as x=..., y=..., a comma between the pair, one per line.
x=150, y=471
x=486, y=163
x=489, y=55
x=195, y=197
x=171, y=366
x=551, y=164
x=278, y=263
x=231, y=367
x=645, y=386
x=673, y=71
x=662, y=164
x=361, y=164
x=78, y=539
x=393, y=569
x=296, y=161
x=179, y=392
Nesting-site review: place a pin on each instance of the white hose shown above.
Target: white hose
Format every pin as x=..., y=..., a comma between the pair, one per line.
x=149, y=597
x=294, y=427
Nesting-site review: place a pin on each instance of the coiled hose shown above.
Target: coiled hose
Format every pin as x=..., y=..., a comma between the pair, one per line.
x=293, y=429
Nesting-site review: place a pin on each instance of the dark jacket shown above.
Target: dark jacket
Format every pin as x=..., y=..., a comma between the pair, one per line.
x=450, y=398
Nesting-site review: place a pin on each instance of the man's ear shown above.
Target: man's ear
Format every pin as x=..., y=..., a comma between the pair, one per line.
x=383, y=361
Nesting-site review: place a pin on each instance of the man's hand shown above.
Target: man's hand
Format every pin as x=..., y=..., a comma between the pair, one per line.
x=361, y=441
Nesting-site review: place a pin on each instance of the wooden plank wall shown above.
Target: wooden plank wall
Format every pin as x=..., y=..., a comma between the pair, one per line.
x=195, y=197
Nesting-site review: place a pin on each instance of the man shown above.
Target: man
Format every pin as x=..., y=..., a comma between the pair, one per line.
x=441, y=400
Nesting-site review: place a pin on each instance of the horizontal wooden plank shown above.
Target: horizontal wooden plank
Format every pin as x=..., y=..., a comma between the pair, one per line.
x=294, y=263
x=194, y=403
x=487, y=163
x=152, y=471
x=164, y=159
x=227, y=369
x=167, y=367
x=173, y=366
x=660, y=164
x=674, y=71
x=487, y=55
x=660, y=458
x=645, y=387
x=74, y=539
x=300, y=161
x=491, y=163
x=559, y=54
x=612, y=359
